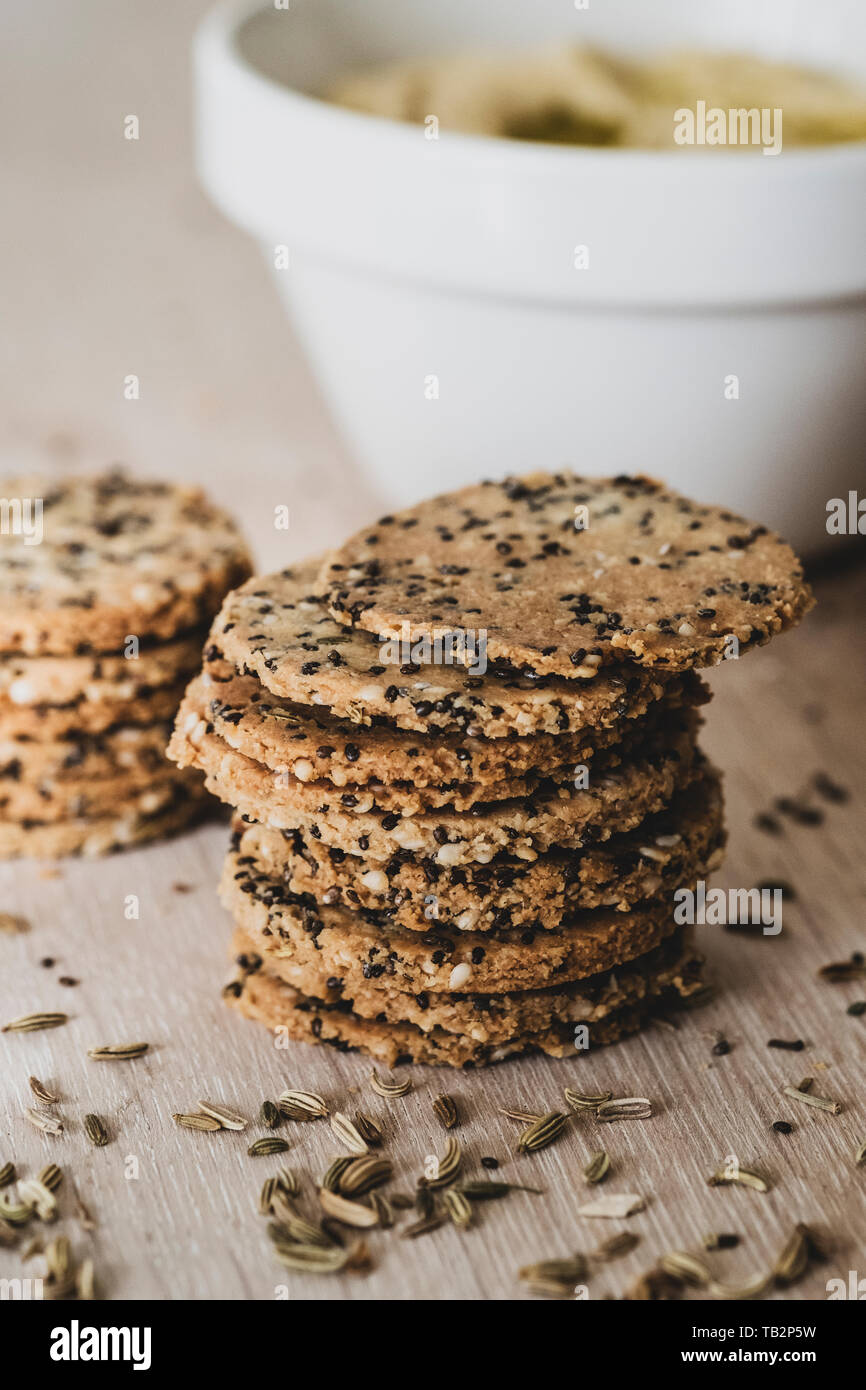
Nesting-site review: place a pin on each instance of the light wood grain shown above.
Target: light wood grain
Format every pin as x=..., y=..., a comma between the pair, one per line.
x=187, y=1226
x=141, y=275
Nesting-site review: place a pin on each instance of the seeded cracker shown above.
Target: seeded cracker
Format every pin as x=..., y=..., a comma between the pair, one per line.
x=497, y=1018
x=619, y=796
x=679, y=845
x=262, y=996
x=278, y=629
x=104, y=834
x=313, y=746
x=650, y=577
x=117, y=556
x=335, y=943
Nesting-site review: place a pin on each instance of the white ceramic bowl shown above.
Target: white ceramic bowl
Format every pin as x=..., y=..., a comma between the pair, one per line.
x=433, y=282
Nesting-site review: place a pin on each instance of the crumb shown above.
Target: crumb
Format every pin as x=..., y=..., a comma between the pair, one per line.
x=13, y=925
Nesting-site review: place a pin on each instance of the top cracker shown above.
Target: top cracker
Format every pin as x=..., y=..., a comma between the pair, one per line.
x=87, y=562
x=567, y=574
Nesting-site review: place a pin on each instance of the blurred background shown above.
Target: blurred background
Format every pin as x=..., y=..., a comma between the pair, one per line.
x=115, y=263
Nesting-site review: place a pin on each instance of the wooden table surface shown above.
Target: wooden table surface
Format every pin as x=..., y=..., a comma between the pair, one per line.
x=175, y=1211
x=114, y=263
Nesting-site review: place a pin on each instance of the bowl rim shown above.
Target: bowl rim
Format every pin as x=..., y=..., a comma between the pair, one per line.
x=220, y=31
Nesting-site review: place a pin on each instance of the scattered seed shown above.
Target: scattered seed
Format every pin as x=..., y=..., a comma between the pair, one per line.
x=769, y=824
x=368, y=1129
x=39, y=1198
x=689, y=1269
x=793, y=1258
x=266, y=1196
x=625, y=1108
x=783, y=1127
x=197, y=1121
x=32, y=1023
x=269, y=1115
x=85, y=1281
x=288, y=1182
x=382, y=1208
x=260, y=1148
x=617, y=1204
x=425, y=1202
x=445, y=1111
x=721, y=1048
x=615, y=1246
x=311, y=1259
x=554, y=1278
x=301, y=1105
x=13, y=1210
x=227, y=1119
x=331, y=1180
x=448, y=1166
x=118, y=1052
x=57, y=1258
x=578, y=1101
x=711, y=1241
x=840, y=971
x=348, y=1212
x=292, y=1228
x=424, y=1226
x=550, y=1288
x=490, y=1191
x=96, y=1131
x=830, y=790
x=42, y=1093
x=857, y=1009
x=50, y=1176
x=348, y=1134
x=489, y=1162
x=363, y=1174
x=458, y=1207
x=389, y=1089
x=818, y=1102
x=527, y=1117
x=743, y=1177
x=738, y=1292
x=83, y=1216
x=597, y=1168
x=796, y=1045
x=49, y=1124
x=543, y=1131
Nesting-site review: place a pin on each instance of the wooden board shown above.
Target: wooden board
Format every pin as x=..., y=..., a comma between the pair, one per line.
x=185, y=1224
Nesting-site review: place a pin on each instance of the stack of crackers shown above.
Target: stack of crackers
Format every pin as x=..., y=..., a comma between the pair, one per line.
x=463, y=755
x=107, y=586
